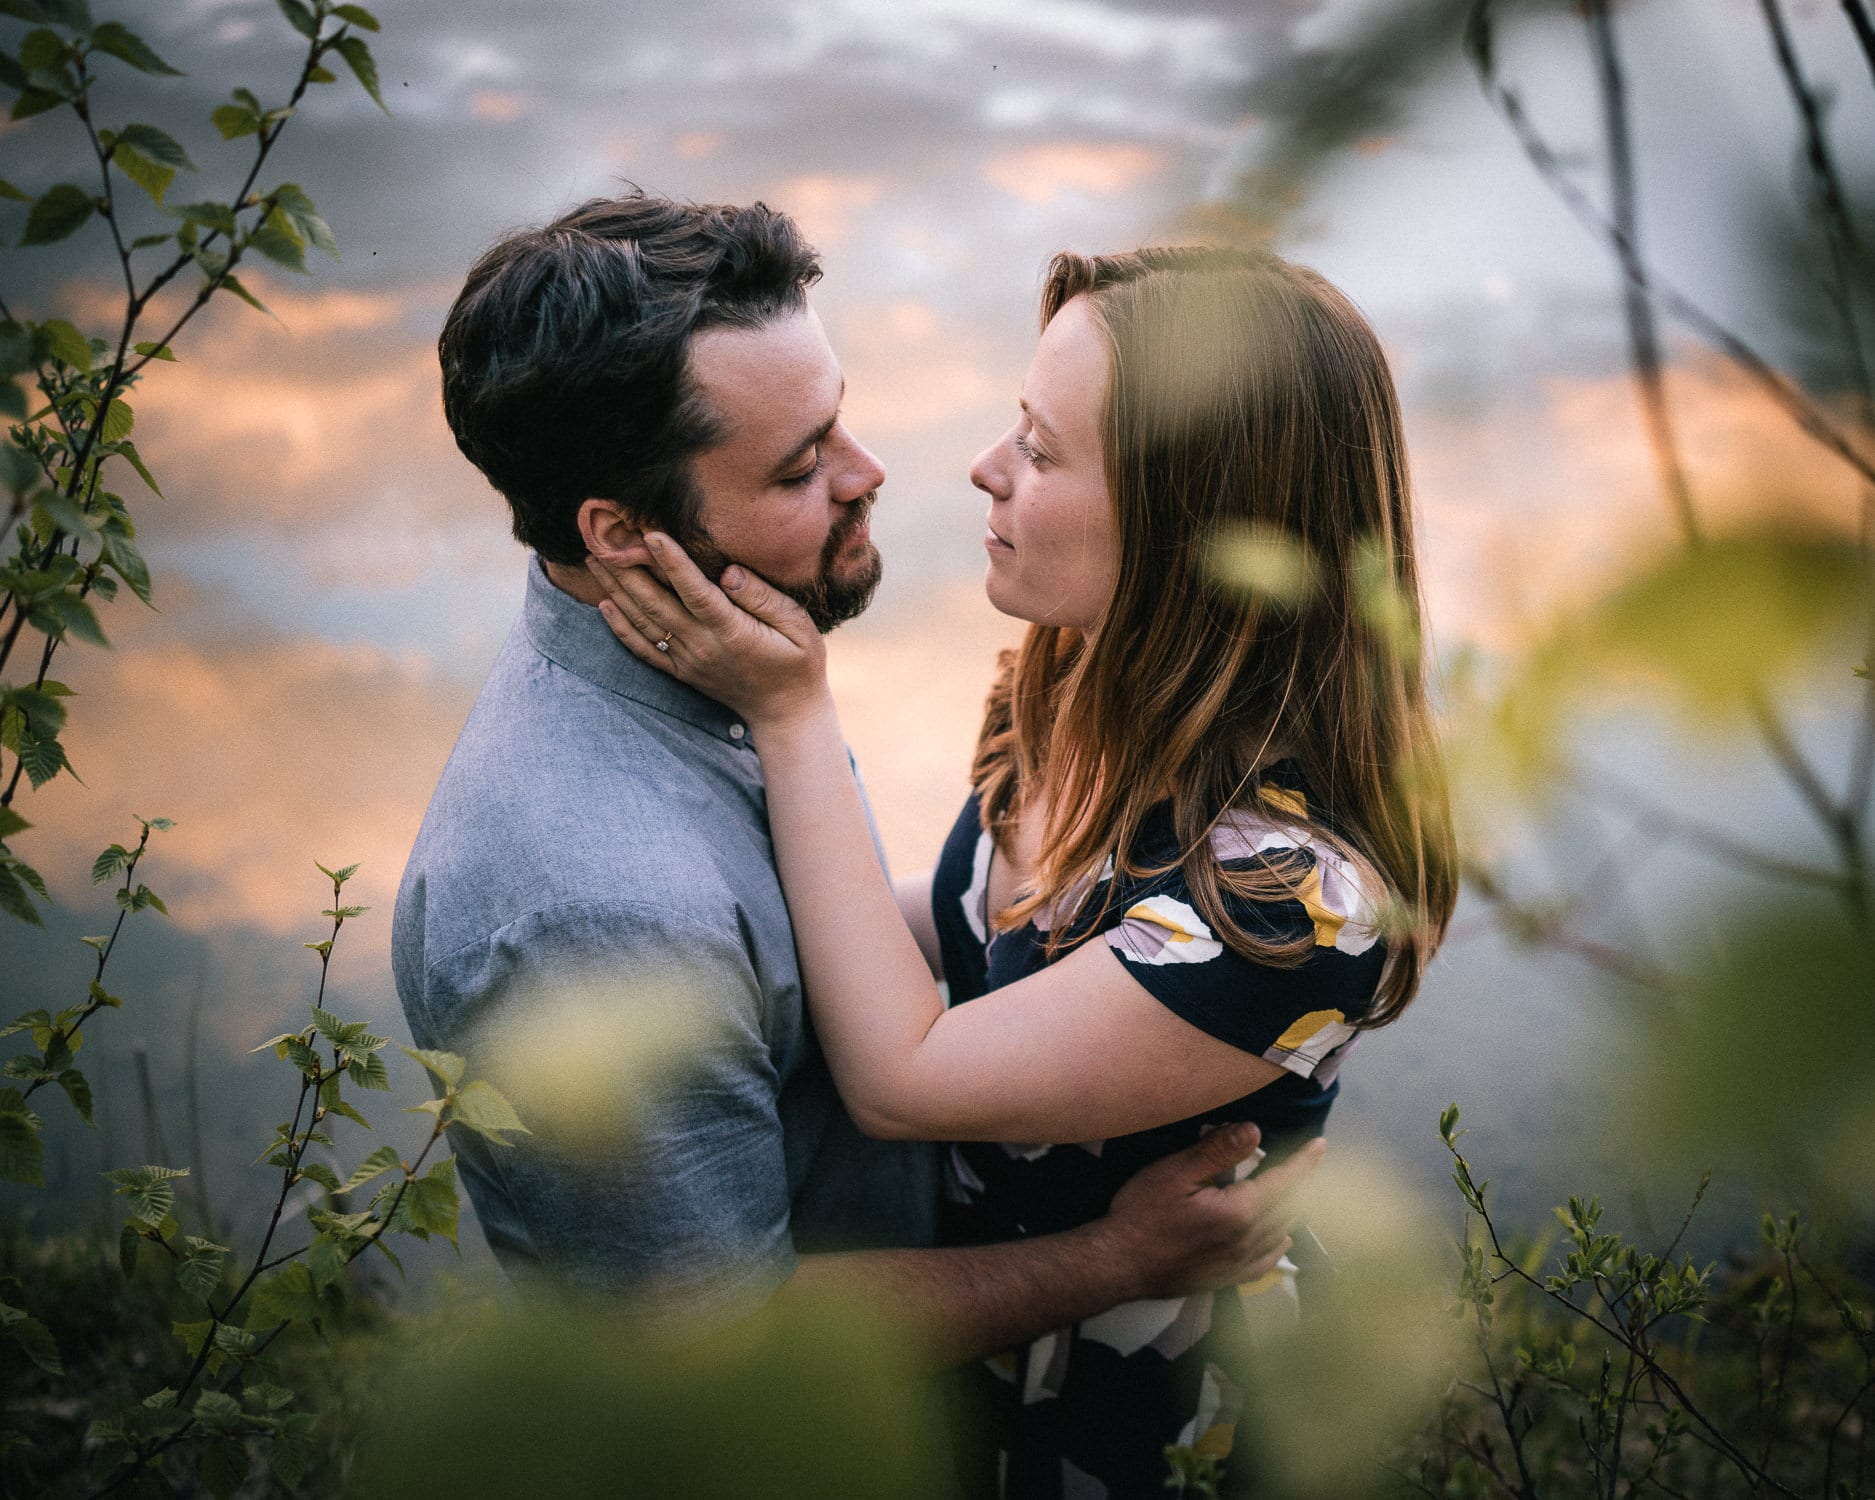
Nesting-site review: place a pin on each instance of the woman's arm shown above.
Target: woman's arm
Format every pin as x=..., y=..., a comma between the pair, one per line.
x=913, y=893
x=1076, y=1052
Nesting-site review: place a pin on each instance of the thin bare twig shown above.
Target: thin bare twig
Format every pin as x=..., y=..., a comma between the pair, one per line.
x=1643, y=331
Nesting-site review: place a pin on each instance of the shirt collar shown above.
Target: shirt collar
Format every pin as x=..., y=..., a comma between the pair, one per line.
x=575, y=636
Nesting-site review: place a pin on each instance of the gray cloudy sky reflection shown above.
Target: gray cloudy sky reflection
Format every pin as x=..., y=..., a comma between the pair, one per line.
x=333, y=578
x=938, y=151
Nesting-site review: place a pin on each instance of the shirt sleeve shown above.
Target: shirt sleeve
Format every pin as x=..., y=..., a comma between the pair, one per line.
x=629, y=1038
x=1299, y=1018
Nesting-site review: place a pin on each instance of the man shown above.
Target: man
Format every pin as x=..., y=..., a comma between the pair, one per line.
x=599, y=830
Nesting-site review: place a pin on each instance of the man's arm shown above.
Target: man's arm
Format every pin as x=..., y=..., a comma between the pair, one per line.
x=1171, y=1231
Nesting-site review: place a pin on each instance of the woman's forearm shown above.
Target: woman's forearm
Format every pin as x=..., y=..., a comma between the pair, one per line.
x=868, y=984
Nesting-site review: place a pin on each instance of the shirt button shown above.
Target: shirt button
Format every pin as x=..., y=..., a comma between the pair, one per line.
x=736, y=731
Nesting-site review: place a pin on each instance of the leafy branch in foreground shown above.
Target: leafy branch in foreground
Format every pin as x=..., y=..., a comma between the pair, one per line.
x=1584, y=1374
x=76, y=541
x=58, y=1036
x=227, y=1403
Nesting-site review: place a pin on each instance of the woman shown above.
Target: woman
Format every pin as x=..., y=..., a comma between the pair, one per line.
x=1206, y=844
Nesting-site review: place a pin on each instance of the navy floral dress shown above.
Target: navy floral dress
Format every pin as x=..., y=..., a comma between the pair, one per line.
x=1086, y=1412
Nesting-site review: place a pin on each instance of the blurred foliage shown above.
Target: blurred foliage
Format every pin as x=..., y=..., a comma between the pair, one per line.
x=809, y=1398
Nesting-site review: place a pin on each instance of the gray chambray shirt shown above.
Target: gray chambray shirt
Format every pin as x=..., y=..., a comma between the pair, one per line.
x=600, y=829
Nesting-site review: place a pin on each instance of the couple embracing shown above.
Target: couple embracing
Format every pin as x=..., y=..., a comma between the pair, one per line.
x=1205, y=847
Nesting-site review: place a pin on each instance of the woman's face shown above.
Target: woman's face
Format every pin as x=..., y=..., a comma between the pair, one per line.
x=1051, y=535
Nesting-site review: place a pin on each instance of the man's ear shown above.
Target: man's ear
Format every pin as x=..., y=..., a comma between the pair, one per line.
x=613, y=533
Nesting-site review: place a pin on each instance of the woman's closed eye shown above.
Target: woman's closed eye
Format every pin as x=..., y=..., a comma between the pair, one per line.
x=1029, y=451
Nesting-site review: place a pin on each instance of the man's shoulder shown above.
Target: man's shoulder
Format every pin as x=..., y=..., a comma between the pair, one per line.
x=562, y=797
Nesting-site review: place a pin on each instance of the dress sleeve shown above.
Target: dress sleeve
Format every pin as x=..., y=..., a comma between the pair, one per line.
x=1299, y=1018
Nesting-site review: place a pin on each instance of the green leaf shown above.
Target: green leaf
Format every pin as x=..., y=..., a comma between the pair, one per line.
x=290, y=1453
x=22, y=1153
x=78, y=620
x=314, y=230
x=103, y=996
x=32, y=1336
x=42, y=49
x=59, y=213
x=12, y=401
x=121, y=554
x=301, y=1056
x=380, y=1161
x=151, y=1191
x=129, y=1241
x=429, y=1204
x=319, y=1172
x=445, y=1067
x=16, y=903
x=118, y=421
x=225, y=1465
x=337, y=877
x=43, y=759
x=158, y=145
x=66, y=344
x=11, y=823
x=482, y=1108
x=109, y=863
x=369, y=1072
x=59, y=512
x=279, y=241
x=358, y=58
x=127, y=46
x=153, y=177
x=233, y=284
x=300, y=18
x=235, y=121
x=7, y=190
x=217, y=1411
x=210, y=215
x=194, y=1336
x=78, y=1089
x=154, y=350
x=356, y=15
x=199, y=1271
x=326, y=1260
x=36, y=102
x=127, y=451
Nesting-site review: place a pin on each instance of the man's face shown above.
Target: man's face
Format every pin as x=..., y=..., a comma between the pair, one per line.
x=787, y=490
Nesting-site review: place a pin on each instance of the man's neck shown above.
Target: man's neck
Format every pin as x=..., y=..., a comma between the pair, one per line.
x=574, y=579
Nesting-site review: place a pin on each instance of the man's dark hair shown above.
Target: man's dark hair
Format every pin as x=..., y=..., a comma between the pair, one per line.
x=565, y=358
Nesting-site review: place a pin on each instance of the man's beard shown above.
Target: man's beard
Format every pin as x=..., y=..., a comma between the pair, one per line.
x=835, y=595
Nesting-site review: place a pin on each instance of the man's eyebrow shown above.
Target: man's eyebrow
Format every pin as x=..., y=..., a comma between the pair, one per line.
x=819, y=435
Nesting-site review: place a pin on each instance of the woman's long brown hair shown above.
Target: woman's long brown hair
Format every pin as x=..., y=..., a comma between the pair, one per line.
x=1243, y=392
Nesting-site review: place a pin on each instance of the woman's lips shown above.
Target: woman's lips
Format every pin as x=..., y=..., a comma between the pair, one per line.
x=993, y=542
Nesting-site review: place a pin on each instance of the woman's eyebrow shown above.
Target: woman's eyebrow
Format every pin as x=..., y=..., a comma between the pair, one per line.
x=1037, y=420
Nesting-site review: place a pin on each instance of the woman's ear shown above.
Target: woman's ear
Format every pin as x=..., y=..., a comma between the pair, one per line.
x=613, y=534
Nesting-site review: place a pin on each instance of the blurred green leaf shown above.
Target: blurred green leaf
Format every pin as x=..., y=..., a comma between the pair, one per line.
x=364, y=68
x=32, y=1336
x=1266, y=563
x=300, y=17
x=58, y=213
x=356, y=15
x=66, y=343
x=127, y=46
x=660, y=1414
x=21, y=1150
x=1770, y=1055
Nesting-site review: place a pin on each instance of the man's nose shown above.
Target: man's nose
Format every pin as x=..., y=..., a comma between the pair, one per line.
x=864, y=474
